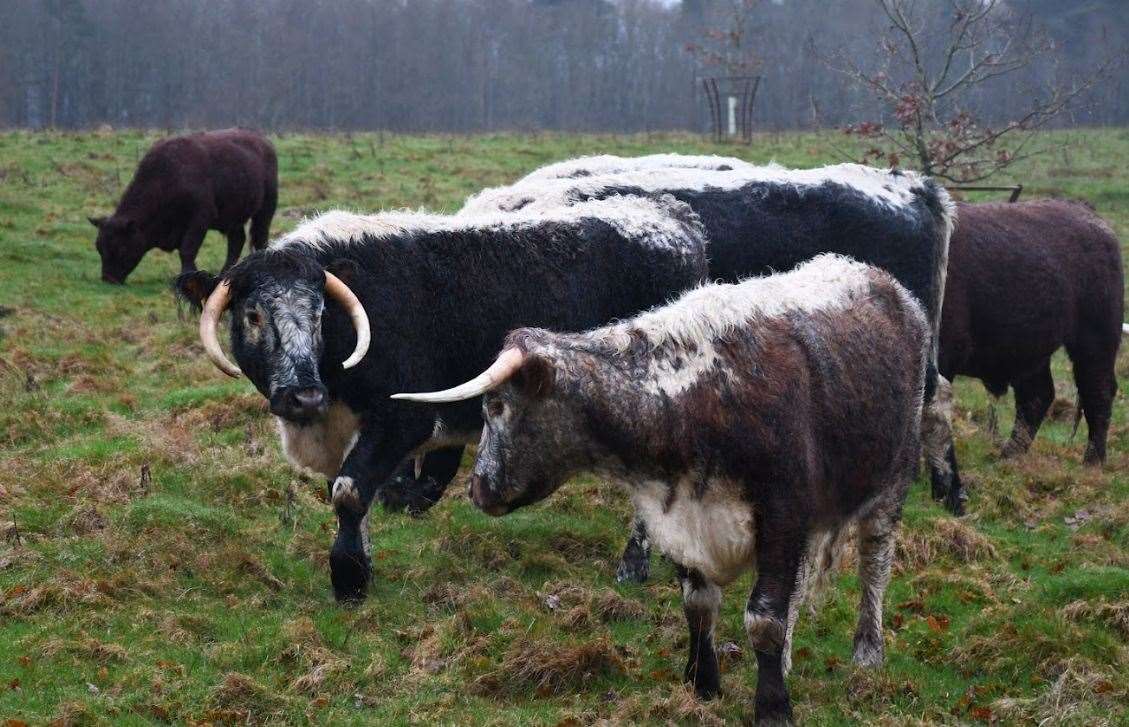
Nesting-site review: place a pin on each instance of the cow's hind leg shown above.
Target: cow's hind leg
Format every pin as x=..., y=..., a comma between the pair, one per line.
x=876, y=555
x=416, y=494
x=235, y=240
x=260, y=221
x=701, y=601
x=940, y=453
x=1034, y=394
x=781, y=556
x=635, y=565
x=1094, y=366
x=191, y=241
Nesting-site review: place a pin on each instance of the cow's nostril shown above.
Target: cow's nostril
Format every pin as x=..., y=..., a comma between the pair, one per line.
x=309, y=398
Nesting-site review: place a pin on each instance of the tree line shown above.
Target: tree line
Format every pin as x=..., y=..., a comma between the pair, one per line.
x=482, y=65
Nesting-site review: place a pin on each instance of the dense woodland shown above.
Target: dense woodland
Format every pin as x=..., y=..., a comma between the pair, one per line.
x=482, y=65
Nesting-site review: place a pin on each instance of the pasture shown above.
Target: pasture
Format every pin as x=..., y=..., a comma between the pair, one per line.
x=159, y=561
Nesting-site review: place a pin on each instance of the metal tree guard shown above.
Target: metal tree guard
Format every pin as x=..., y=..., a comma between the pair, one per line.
x=739, y=93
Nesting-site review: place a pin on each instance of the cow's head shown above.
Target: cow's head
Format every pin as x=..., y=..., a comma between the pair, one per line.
x=120, y=244
x=533, y=439
x=276, y=301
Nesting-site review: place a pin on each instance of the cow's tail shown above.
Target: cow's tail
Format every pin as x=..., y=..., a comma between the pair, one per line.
x=1077, y=418
x=943, y=210
x=824, y=554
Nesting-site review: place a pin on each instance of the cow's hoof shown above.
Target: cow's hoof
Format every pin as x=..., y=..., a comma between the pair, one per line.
x=1013, y=449
x=350, y=573
x=707, y=685
x=773, y=714
x=868, y=653
x=1093, y=457
x=954, y=501
x=633, y=570
x=940, y=482
x=415, y=497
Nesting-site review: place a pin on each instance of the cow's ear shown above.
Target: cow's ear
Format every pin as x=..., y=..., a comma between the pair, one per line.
x=536, y=376
x=97, y=221
x=345, y=269
x=195, y=287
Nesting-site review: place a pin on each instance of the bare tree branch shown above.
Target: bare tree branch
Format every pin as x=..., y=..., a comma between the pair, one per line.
x=927, y=88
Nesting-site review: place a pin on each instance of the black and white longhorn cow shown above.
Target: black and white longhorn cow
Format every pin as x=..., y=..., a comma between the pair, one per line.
x=764, y=219
x=438, y=294
x=750, y=424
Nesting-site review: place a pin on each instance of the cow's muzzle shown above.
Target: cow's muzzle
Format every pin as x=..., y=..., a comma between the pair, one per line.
x=484, y=497
x=300, y=404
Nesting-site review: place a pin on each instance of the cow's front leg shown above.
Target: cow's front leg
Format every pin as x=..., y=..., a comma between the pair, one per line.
x=635, y=565
x=780, y=561
x=701, y=601
x=235, y=240
x=416, y=494
x=372, y=460
x=190, y=243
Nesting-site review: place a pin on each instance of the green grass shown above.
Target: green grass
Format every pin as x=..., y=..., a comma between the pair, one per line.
x=199, y=591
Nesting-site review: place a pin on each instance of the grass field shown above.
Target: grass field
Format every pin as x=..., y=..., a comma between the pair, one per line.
x=160, y=562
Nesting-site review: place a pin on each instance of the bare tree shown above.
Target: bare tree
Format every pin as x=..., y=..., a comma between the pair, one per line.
x=935, y=60
x=478, y=65
x=728, y=44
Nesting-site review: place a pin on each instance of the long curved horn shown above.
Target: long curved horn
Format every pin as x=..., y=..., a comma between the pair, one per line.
x=336, y=289
x=504, y=366
x=209, y=318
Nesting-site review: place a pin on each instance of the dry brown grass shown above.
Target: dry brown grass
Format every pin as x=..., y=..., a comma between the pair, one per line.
x=668, y=705
x=240, y=698
x=546, y=668
x=65, y=592
x=1077, y=694
x=1115, y=615
x=942, y=538
x=578, y=605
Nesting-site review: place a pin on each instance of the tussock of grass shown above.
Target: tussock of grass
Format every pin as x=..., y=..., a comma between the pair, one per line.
x=949, y=538
x=240, y=698
x=581, y=605
x=85, y=519
x=673, y=704
x=1114, y=615
x=1079, y=694
x=546, y=668
x=872, y=691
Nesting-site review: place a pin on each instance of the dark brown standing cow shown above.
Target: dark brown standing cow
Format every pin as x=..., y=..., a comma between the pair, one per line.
x=184, y=187
x=1025, y=280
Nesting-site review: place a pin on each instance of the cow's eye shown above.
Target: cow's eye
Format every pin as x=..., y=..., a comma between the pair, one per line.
x=495, y=408
x=253, y=318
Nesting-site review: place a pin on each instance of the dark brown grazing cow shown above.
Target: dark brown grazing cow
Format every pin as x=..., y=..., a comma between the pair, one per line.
x=1025, y=280
x=184, y=187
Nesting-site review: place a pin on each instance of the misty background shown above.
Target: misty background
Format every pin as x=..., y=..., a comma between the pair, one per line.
x=485, y=65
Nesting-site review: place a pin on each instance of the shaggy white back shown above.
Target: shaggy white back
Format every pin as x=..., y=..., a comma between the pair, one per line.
x=659, y=222
x=883, y=187
x=708, y=313
x=602, y=164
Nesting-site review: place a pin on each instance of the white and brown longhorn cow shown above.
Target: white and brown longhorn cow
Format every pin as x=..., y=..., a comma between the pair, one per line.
x=751, y=425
